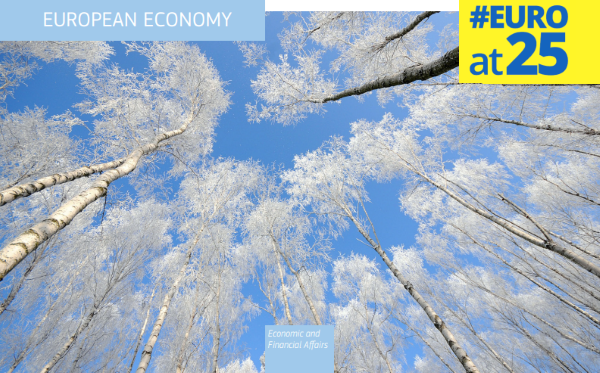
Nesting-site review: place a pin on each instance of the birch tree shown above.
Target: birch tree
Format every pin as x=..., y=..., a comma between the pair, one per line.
x=374, y=51
x=279, y=233
x=181, y=93
x=210, y=196
x=89, y=289
x=333, y=184
x=364, y=326
x=524, y=215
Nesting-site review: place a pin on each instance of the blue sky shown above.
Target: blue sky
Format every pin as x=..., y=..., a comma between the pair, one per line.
x=55, y=88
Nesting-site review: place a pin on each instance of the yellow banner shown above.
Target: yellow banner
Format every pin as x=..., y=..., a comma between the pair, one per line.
x=529, y=42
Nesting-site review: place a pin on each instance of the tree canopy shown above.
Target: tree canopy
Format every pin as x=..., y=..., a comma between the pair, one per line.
x=139, y=247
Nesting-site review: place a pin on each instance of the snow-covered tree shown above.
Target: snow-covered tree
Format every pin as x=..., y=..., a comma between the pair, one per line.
x=374, y=51
x=175, y=105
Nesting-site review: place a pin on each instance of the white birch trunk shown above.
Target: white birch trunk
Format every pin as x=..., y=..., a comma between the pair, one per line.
x=13, y=253
x=288, y=314
x=217, y=338
x=544, y=244
x=162, y=315
x=301, y=284
x=180, y=355
x=184, y=343
x=164, y=309
x=139, y=341
x=24, y=190
x=437, y=321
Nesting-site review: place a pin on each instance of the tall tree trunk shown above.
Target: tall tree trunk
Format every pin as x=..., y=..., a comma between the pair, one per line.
x=300, y=283
x=181, y=353
x=13, y=253
x=217, y=336
x=288, y=314
x=67, y=346
x=437, y=321
x=79, y=353
x=139, y=340
x=162, y=315
x=544, y=244
x=23, y=190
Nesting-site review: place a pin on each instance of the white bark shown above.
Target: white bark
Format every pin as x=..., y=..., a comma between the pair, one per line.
x=164, y=309
x=301, y=284
x=139, y=341
x=162, y=315
x=217, y=336
x=13, y=253
x=24, y=190
x=180, y=355
x=437, y=321
x=288, y=314
x=545, y=244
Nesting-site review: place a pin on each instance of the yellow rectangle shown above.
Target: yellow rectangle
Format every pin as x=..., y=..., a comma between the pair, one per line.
x=529, y=36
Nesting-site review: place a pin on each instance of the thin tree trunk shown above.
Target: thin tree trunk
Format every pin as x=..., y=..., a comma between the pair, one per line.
x=13, y=253
x=304, y=292
x=26, y=351
x=15, y=289
x=440, y=66
x=540, y=285
x=530, y=313
x=162, y=315
x=586, y=131
x=67, y=346
x=439, y=324
x=79, y=353
x=548, y=244
x=139, y=341
x=545, y=244
x=217, y=338
x=23, y=190
x=181, y=354
x=430, y=347
x=466, y=322
x=374, y=338
x=411, y=26
x=179, y=368
x=288, y=314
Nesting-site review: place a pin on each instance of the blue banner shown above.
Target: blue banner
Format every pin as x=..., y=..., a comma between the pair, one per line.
x=138, y=20
x=299, y=348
